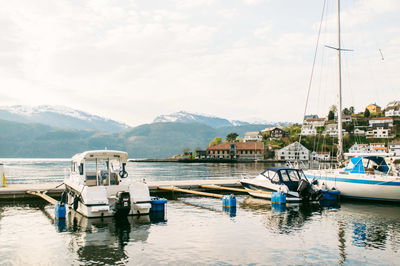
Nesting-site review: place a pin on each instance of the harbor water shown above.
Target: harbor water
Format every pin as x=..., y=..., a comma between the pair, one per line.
x=196, y=230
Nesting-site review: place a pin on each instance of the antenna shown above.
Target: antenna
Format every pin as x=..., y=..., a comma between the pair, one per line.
x=380, y=51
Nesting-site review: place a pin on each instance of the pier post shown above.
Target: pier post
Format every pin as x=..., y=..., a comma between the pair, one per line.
x=3, y=175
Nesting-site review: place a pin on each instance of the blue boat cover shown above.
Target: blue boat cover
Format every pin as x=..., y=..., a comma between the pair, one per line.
x=356, y=164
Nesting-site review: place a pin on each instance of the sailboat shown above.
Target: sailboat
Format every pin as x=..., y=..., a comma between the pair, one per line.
x=367, y=177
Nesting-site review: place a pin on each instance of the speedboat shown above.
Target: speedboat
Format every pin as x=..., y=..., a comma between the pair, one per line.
x=98, y=186
x=290, y=181
x=365, y=177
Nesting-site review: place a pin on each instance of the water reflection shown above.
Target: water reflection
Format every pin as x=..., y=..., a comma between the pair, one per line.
x=283, y=219
x=103, y=240
x=374, y=226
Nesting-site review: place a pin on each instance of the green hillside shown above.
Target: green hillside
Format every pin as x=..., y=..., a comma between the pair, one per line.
x=157, y=140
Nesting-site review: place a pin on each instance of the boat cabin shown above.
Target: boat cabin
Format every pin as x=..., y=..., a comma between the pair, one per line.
x=367, y=165
x=100, y=168
x=284, y=175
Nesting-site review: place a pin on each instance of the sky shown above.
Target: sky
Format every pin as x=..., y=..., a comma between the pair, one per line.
x=240, y=59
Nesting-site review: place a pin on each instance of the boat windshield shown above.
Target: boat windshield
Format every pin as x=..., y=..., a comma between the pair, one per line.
x=285, y=177
x=293, y=175
x=101, y=172
x=302, y=175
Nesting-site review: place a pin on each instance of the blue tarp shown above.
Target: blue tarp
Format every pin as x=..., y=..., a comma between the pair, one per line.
x=356, y=164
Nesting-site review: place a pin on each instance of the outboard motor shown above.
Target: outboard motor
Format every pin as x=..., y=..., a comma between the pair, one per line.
x=304, y=189
x=308, y=191
x=123, y=203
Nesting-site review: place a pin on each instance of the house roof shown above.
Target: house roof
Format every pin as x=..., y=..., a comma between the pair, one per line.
x=379, y=148
x=373, y=104
x=381, y=118
x=239, y=146
x=315, y=119
x=251, y=134
x=377, y=143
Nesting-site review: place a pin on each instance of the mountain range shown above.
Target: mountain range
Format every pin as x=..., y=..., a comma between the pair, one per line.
x=26, y=133
x=60, y=117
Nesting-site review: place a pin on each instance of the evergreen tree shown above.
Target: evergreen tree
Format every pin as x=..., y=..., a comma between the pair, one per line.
x=367, y=113
x=331, y=115
x=231, y=137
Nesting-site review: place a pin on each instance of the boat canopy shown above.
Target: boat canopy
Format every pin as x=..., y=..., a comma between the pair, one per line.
x=101, y=155
x=364, y=163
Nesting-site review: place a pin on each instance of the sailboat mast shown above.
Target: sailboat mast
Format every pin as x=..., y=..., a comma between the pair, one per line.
x=339, y=108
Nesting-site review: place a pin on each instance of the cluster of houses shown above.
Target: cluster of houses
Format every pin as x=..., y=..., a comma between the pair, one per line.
x=378, y=127
x=298, y=151
x=255, y=150
x=252, y=147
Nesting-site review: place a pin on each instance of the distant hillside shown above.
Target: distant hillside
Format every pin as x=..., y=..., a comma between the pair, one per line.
x=157, y=140
x=60, y=117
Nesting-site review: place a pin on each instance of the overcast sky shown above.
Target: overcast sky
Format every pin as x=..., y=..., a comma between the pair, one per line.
x=238, y=59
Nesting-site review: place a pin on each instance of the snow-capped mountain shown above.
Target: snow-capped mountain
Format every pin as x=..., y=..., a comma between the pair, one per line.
x=215, y=122
x=59, y=116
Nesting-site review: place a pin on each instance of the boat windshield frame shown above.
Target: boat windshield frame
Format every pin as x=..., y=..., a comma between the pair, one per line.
x=278, y=173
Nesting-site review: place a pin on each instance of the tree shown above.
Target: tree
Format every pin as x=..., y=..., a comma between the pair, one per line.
x=346, y=111
x=231, y=137
x=186, y=150
x=333, y=108
x=331, y=115
x=367, y=113
x=216, y=141
x=351, y=109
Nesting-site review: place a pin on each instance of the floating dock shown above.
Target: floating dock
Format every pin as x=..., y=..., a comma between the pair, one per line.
x=18, y=191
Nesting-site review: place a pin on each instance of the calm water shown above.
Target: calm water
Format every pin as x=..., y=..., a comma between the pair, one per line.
x=197, y=231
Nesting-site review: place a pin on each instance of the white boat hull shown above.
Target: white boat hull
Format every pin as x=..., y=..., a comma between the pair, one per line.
x=102, y=206
x=253, y=184
x=359, y=186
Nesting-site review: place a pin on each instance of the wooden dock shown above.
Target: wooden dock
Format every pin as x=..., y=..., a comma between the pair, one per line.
x=18, y=191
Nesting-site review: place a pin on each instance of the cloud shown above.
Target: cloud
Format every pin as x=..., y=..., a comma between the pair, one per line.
x=132, y=61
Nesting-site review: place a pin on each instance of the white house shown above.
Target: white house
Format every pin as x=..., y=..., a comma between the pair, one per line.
x=392, y=108
x=308, y=130
x=359, y=148
x=394, y=147
x=347, y=119
x=252, y=137
x=292, y=152
x=378, y=132
x=359, y=132
x=316, y=122
x=320, y=156
x=381, y=122
x=332, y=130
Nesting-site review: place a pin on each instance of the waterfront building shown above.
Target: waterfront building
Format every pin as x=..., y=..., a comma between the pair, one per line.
x=237, y=150
x=373, y=108
x=252, y=137
x=392, y=108
x=292, y=152
x=359, y=148
x=320, y=156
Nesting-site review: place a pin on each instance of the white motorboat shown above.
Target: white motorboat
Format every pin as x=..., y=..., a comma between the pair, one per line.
x=98, y=186
x=365, y=177
x=290, y=181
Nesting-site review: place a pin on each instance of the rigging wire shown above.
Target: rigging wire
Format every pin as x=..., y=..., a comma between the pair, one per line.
x=313, y=66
